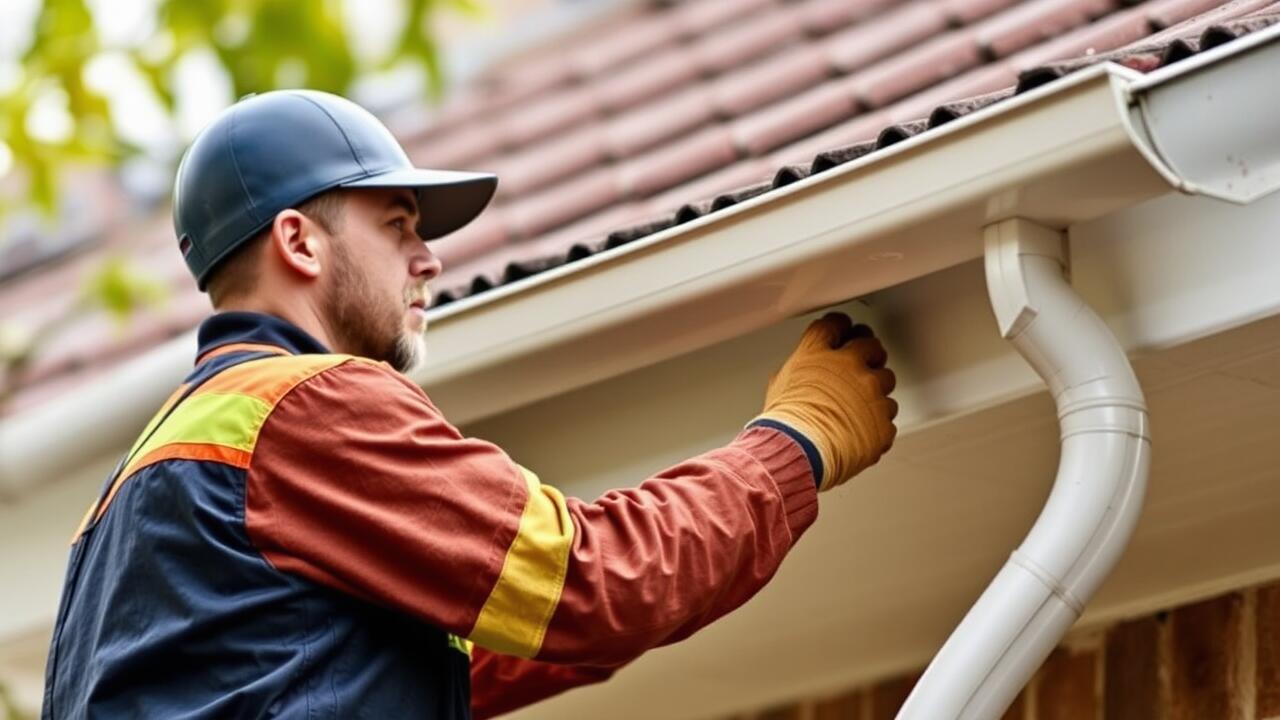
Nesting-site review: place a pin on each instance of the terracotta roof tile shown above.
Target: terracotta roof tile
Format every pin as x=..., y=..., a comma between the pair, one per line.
x=665, y=112
x=917, y=68
x=948, y=111
x=788, y=174
x=629, y=234
x=697, y=18
x=92, y=338
x=859, y=128
x=455, y=149
x=675, y=67
x=727, y=178
x=668, y=117
x=744, y=41
x=648, y=35
x=592, y=227
x=39, y=295
x=545, y=116
x=1166, y=13
x=528, y=78
x=676, y=162
x=963, y=12
x=863, y=44
x=1104, y=35
x=1153, y=51
x=792, y=119
x=488, y=233
x=980, y=83
x=1193, y=25
x=563, y=203
x=820, y=17
x=538, y=165
x=777, y=77
x=743, y=86
x=1037, y=21
x=520, y=83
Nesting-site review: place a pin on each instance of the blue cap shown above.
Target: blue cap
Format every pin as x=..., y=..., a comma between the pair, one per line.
x=276, y=150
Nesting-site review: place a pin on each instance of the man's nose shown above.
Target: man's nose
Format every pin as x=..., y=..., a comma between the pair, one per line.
x=425, y=264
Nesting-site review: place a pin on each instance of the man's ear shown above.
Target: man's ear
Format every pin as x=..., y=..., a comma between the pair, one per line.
x=295, y=240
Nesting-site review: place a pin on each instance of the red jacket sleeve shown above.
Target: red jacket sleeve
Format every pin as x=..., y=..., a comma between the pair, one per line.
x=357, y=482
x=502, y=683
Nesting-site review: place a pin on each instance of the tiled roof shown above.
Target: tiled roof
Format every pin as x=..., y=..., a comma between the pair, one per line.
x=668, y=111
x=810, y=85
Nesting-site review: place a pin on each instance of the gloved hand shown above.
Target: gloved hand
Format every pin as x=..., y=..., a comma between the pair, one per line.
x=833, y=391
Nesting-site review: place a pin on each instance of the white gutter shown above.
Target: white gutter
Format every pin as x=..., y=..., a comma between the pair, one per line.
x=1060, y=154
x=100, y=419
x=1207, y=124
x=1095, y=501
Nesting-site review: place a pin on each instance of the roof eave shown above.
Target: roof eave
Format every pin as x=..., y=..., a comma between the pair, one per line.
x=1070, y=151
x=1057, y=155
x=1087, y=145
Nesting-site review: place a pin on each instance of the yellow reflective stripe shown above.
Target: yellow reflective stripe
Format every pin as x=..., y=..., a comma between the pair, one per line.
x=156, y=418
x=228, y=419
x=462, y=645
x=514, y=619
x=221, y=419
x=230, y=407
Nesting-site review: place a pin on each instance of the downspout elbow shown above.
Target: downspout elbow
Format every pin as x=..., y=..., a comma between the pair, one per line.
x=1095, y=500
x=1102, y=413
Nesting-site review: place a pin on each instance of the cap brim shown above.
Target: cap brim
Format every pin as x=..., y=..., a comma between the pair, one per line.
x=447, y=199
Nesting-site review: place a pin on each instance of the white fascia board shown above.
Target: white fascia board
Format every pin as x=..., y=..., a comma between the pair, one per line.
x=1060, y=154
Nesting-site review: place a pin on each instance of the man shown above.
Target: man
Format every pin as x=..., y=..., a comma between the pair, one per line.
x=300, y=532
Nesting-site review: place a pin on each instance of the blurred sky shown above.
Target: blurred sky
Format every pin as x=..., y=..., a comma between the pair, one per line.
x=201, y=86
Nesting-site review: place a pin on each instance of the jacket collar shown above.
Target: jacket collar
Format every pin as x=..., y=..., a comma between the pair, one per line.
x=254, y=329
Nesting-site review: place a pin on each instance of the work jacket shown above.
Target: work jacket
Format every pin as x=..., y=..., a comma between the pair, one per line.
x=299, y=533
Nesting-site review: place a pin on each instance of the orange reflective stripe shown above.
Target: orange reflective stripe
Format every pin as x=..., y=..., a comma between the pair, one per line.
x=95, y=508
x=197, y=436
x=241, y=347
x=84, y=522
x=176, y=451
x=269, y=379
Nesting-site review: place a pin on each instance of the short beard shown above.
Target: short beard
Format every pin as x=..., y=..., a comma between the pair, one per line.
x=409, y=352
x=363, y=324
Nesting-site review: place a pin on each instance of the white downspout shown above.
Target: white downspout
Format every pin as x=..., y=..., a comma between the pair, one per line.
x=1095, y=500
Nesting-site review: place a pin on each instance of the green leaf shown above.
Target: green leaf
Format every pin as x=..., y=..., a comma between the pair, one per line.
x=260, y=43
x=156, y=73
x=471, y=8
x=117, y=288
x=16, y=341
x=415, y=43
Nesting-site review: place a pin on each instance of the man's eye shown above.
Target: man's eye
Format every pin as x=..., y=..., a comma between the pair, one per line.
x=398, y=224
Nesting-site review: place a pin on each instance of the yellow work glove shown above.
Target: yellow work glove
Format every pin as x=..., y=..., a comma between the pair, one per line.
x=833, y=392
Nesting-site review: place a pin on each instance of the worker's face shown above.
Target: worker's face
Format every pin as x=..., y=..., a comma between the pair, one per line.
x=376, y=296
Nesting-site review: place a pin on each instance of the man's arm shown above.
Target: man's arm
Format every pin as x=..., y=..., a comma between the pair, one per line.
x=359, y=483
x=502, y=683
